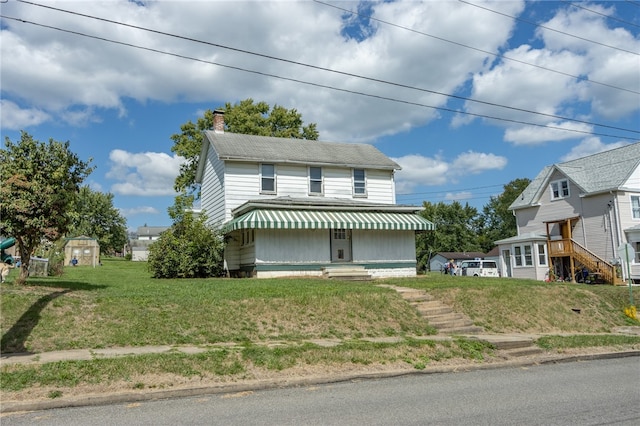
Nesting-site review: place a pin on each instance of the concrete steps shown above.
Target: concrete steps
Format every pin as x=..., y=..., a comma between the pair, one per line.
x=440, y=316
x=444, y=319
x=346, y=272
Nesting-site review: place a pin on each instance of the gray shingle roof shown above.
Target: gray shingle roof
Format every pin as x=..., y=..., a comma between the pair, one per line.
x=605, y=171
x=238, y=147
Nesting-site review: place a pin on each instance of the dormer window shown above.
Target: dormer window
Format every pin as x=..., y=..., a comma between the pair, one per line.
x=559, y=189
x=315, y=180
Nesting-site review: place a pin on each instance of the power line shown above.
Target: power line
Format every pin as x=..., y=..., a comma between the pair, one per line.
x=356, y=76
x=549, y=28
x=324, y=85
x=497, y=55
x=600, y=13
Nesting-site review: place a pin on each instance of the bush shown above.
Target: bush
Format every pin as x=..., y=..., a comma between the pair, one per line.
x=189, y=249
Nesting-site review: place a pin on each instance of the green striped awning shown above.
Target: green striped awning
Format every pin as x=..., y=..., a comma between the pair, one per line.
x=319, y=219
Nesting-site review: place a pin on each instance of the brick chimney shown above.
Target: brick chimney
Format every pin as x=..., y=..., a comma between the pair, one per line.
x=218, y=121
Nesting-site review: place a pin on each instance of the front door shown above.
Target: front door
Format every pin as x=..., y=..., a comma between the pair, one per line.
x=340, y=245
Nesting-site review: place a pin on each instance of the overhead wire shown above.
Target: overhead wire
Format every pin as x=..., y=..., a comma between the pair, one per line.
x=497, y=55
x=574, y=4
x=548, y=28
x=355, y=76
x=325, y=86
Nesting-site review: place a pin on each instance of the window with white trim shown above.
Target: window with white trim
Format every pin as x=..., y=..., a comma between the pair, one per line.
x=268, y=178
x=315, y=180
x=523, y=255
x=542, y=254
x=359, y=183
x=635, y=206
x=559, y=189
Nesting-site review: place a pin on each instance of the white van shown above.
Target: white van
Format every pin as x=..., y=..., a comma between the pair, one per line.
x=479, y=268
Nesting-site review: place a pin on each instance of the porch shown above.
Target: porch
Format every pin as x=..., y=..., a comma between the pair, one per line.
x=569, y=256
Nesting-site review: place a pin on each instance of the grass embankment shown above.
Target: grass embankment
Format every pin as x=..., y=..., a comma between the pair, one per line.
x=118, y=304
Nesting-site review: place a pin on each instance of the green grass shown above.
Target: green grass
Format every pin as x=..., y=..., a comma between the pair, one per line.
x=119, y=304
x=233, y=364
x=586, y=341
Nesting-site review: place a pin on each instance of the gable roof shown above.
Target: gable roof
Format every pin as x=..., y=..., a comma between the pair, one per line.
x=605, y=171
x=151, y=231
x=239, y=147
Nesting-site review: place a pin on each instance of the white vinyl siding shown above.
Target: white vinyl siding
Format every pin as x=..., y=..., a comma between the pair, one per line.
x=381, y=246
x=291, y=246
x=212, y=187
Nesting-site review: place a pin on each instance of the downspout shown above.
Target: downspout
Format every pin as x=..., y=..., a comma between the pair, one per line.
x=616, y=210
x=584, y=231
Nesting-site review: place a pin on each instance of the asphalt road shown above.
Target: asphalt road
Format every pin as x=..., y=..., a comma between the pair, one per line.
x=577, y=393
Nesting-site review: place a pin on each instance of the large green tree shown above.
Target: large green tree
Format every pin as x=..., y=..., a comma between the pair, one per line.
x=245, y=117
x=496, y=221
x=96, y=217
x=454, y=230
x=39, y=183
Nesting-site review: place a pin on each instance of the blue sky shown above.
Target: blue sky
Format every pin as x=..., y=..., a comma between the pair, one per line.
x=422, y=81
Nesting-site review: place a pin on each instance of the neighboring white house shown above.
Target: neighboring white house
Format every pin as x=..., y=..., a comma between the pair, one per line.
x=574, y=216
x=146, y=235
x=294, y=207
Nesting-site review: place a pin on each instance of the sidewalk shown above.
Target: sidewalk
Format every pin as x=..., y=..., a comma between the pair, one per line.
x=514, y=352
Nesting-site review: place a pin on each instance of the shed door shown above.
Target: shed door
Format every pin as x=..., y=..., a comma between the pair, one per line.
x=340, y=245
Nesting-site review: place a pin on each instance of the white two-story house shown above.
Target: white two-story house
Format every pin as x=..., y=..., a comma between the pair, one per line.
x=295, y=207
x=574, y=217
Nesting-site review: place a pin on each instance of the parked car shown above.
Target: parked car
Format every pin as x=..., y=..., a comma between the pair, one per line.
x=479, y=268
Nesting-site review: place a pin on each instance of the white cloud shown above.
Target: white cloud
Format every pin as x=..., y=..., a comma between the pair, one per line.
x=559, y=93
x=13, y=117
x=458, y=196
x=590, y=146
x=133, y=211
x=477, y=162
x=528, y=135
x=75, y=79
x=418, y=170
x=143, y=174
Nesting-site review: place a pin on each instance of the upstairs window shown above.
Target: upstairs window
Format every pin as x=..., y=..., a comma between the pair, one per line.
x=268, y=178
x=559, y=189
x=315, y=180
x=359, y=183
x=635, y=206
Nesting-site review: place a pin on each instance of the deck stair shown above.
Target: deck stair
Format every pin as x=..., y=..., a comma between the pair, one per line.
x=582, y=257
x=346, y=273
